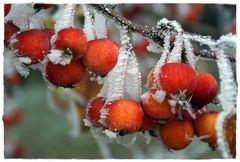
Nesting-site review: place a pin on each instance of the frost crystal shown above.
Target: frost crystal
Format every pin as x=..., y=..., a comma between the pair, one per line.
x=36, y=21
x=88, y=23
x=144, y=97
x=228, y=86
x=189, y=51
x=64, y=20
x=100, y=25
x=153, y=46
x=159, y=96
x=20, y=14
x=59, y=57
x=162, y=60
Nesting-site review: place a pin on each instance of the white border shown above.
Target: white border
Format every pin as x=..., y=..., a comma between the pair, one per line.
x=111, y=1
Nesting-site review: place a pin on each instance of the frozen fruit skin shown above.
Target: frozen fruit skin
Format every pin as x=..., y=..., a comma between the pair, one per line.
x=7, y=8
x=157, y=110
x=176, y=77
x=93, y=111
x=176, y=134
x=73, y=39
x=64, y=75
x=205, y=126
x=124, y=115
x=206, y=90
x=9, y=30
x=101, y=56
x=33, y=43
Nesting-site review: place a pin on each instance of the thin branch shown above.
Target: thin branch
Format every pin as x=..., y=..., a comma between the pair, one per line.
x=154, y=33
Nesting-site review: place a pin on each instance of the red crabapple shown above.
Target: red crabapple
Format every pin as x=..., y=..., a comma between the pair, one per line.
x=205, y=126
x=123, y=115
x=73, y=41
x=156, y=110
x=176, y=77
x=93, y=111
x=7, y=8
x=205, y=91
x=9, y=30
x=101, y=56
x=64, y=75
x=177, y=134
x=33, y=43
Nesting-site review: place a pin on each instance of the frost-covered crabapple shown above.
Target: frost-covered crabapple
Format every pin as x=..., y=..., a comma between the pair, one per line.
x=64, y=75
x=177, y=134
x=206, y=90
x=176, y=77
x=205, y=126
x=123, y=115
x=155, y=109
x=12, y=118
x=7, y=8
x=9, y=30
x=32, y=43
x=93, y=111
x=73, y=41
x=101, y=56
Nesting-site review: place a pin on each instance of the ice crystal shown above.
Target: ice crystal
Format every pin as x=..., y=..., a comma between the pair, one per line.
x=59, y=57
x=20, y=14
x=88, y=23
x=159, y=96
x=100, y=25
x=153, y=46
x=36, y=21
x=189, y=51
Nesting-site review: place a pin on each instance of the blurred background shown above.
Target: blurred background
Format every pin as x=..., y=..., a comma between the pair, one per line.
x=41, y=122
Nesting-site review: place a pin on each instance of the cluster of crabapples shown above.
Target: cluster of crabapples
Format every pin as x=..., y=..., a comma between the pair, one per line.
x=173, y=110
x=175, y=124
x=98, y=55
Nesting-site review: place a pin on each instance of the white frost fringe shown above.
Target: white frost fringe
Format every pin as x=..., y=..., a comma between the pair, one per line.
x=88, y=27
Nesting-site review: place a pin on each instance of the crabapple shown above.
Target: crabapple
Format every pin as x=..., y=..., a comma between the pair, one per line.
x=93, y=111
x=123, y=115
x=7, y=8
x=206, y=90
x=73, y=41
x=148, y=124
x=32, y=43
x=205, y=126
x=9, y=30
x=156, y=110
x=101, y=56
x=64, y=75
x=176, y=77
x=176, y=134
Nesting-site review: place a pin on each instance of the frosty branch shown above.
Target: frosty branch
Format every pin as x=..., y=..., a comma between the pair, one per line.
x=154, y=33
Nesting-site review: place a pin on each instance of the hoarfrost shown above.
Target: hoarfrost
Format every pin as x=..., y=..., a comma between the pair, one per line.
x=133, y=78
x=144, y=97
x=127, y=140
x=162, y=60
x=153, y=46
x=88, y=23
x=189, y=51
x=147, y=137
x=159, y=96
x=36, y=21
x=59, y=57
x=110, y=134
x=100, y=25
x=19, y=15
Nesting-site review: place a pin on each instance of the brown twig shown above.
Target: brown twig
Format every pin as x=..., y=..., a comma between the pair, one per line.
x=156, y=34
